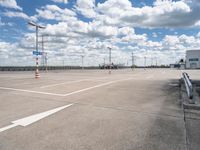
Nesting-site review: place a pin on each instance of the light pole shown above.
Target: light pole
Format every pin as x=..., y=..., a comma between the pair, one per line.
x=37, y=75
x=63, y=64
x=43, y=57
x=145, y=60
x=82, y=57
x=151, y=61
x=46, y=61
x=43, y=53
x=132, y=61
x=109, y=59
x=156, y=61
x=104, y=63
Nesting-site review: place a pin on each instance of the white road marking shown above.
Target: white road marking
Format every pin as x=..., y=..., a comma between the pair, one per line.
x=96, y=86
x=67, y=94
x=8, y=127
x=68, y=82
x=33, y=118
x=149, y=77
x=29, y=91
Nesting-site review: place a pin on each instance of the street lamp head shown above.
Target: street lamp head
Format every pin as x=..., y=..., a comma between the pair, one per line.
x=36, y=25
x=109, y=47
x=42, y=27
x=31, y=23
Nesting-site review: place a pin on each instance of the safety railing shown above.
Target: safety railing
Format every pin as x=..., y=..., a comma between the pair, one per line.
x=188, y=85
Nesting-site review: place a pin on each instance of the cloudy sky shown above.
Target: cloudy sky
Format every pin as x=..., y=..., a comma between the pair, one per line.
x=160, y=30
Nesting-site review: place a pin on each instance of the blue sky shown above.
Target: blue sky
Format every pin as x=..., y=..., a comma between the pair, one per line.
x=161, y=29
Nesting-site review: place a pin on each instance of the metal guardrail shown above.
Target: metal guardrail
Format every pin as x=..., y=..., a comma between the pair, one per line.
x=188, y=85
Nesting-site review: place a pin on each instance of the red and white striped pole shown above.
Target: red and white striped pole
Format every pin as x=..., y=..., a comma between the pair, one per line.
x=37, y=75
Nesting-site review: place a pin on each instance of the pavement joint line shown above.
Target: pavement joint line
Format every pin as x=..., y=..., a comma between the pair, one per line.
x=192, y=118
x=187, y=143
x=33, y=118
x=67, y=94
x=133, y=111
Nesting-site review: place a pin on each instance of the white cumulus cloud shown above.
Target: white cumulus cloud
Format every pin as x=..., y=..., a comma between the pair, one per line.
x=60, y=1
x=86, y=8
x=10, y=4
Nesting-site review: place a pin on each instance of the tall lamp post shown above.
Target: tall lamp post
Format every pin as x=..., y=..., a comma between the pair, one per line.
x=37, y=75
x=45, y=60
x=132, y=61
x=43, y=56
x=156, y=61
x=109, y=59
x=104, y=61
x=82, y=61
x=43, y=52
x=145, y=61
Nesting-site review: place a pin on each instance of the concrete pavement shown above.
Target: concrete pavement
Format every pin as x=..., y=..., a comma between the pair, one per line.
x=127, y=110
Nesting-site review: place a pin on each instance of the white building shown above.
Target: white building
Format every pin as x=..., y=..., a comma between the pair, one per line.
x=192, y=59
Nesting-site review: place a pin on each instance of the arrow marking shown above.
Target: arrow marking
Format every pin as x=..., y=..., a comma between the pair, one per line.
x=33, y=118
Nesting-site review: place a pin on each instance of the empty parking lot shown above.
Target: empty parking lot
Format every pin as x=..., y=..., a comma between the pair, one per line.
x=90, y=109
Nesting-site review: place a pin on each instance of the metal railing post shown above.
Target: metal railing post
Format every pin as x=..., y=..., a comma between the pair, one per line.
x=188, y=85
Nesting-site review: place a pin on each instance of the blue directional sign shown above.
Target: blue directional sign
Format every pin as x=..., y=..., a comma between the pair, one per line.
x=37, y=53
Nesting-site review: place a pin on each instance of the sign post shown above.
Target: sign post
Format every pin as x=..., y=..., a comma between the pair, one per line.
x=37, y=75
x=37, y=53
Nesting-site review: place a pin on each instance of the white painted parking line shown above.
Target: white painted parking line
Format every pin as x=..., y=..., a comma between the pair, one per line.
x=149, y=77
x=55, y=94
x=69, y=82
x=96, y=86
x=29, y=91
x=33, y=118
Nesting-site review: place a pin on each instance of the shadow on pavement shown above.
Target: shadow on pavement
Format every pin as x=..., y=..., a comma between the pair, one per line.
x=167, y=131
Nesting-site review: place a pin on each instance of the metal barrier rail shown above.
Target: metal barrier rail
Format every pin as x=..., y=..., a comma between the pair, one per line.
x=188, y=85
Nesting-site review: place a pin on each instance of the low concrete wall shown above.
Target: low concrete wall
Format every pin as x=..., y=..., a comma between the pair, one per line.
x=32, y=68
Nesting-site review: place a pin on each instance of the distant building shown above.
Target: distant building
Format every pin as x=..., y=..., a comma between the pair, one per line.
x=193, y=59
x=182, y=66
x=174, y=65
